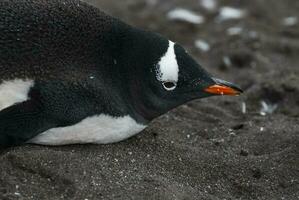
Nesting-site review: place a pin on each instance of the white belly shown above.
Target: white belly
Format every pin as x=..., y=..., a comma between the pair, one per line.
x=100, y=129
x=14, y=91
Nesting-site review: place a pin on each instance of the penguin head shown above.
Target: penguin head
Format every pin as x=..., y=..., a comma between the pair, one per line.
x=166, y=76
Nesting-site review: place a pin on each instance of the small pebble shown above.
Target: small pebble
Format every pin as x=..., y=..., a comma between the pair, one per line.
x=234, y=31
x=17, y=194
x=202, y=45
x=227, y=61
x=290, y=21
x=232, y=134
x=253, y=34
x=217, y=142
x=244, y=153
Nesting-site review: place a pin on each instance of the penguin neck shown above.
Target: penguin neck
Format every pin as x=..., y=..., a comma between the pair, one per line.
x=138, y=98
x=142, y=112
x=141, y=104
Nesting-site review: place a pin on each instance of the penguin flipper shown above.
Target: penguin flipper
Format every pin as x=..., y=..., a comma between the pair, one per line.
x=21, y=122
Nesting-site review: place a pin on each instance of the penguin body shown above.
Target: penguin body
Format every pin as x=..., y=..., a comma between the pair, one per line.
x=71, y=74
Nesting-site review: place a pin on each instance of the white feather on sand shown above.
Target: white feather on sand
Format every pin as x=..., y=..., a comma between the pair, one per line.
x=209, y=5
x=180, y=14
x=244, y=108
x=267, y=108
x=228, y=13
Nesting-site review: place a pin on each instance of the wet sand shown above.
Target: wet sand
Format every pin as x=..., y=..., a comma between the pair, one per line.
x=207, y=149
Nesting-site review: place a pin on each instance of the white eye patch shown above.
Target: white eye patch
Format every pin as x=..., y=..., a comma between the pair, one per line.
x=168, y=68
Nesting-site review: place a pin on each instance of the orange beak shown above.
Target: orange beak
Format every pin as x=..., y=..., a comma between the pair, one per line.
x=223, y=88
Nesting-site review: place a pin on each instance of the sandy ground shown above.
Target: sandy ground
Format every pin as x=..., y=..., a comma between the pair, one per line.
x=207, y=149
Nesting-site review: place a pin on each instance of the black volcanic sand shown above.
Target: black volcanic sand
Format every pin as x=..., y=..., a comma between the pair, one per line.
x=207, y=149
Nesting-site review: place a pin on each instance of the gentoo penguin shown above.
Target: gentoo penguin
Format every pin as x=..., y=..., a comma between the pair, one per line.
x=71, y=74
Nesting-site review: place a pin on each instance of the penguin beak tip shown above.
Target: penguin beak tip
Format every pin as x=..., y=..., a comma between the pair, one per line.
x=222, y=87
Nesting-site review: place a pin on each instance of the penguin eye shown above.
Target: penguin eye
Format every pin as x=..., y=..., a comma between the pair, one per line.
x=168, y=85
